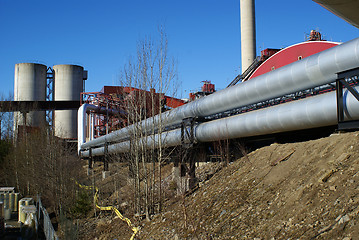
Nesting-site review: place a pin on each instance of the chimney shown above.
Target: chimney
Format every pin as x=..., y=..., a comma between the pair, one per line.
x=248, y=33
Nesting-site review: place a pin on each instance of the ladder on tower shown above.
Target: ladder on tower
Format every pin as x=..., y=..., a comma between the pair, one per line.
x=50, y=95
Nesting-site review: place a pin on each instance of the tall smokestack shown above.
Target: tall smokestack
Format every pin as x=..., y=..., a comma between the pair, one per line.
x=248, y=33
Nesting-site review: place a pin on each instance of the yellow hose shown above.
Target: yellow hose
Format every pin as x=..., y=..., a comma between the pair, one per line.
x=111, y=208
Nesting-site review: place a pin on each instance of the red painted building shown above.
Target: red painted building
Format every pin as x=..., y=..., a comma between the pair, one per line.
x=280, y=58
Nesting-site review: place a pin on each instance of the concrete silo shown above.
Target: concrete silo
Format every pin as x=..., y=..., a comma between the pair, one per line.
x=30, y=85
x=68, y=84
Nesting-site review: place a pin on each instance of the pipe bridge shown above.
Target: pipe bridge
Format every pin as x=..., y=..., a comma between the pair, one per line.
x=302, y=95
x=228, y=112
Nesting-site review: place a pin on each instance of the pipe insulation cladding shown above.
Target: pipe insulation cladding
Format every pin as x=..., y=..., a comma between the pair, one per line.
x=311, y=112
x=310, y=72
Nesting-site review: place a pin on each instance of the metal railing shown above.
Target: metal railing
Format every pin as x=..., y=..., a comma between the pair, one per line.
x=49, y=230
x=247, y=73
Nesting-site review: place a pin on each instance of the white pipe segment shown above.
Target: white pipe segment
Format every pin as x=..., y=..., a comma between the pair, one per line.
x=309, y=72
x=81, y=123
x=82, y=120
x=311, y=112
x=168, y=139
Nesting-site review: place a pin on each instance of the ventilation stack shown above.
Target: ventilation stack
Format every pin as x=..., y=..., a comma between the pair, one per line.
x=248, y=33
x=68, y=85
x=30, y=85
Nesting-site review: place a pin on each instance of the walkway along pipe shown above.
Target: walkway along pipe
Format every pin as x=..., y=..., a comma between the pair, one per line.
x=310, y=72
x=311, y=112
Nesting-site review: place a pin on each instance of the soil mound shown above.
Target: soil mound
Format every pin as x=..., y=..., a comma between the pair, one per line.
x=304, y=190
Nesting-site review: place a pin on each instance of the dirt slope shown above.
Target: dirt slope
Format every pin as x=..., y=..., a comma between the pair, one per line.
x=305, y=190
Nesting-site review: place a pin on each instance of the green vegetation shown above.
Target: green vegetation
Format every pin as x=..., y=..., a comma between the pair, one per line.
x=83, y=204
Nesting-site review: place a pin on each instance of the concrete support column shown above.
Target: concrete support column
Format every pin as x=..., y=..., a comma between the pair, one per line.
x=105, y=172
x=176, y=171
x=180, y=177
x=248, y=33
x=184, y=171
x=177, y=176
x=192, y=181
x=90, y=164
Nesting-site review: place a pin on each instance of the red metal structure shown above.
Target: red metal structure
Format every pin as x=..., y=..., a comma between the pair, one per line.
x=206, y=89
x=129, y=102
x=267, y=53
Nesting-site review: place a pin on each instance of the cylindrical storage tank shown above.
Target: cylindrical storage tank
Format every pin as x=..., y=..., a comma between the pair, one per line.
x=7, y=210
x=11, y=201
x=6, y=200
x=24, y=202
x=68, y=85
x=30, y=85
x=1, y=209
x=16, y=202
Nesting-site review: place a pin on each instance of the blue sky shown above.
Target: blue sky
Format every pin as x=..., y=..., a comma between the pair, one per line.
x=204, y=35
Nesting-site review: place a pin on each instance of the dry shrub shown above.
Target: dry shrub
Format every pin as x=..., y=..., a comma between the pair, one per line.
x=41, y=164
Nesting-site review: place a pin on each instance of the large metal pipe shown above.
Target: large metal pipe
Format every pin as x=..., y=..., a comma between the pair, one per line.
x=248, y=33
x=312, y=112
x=317, y=111
x=168, y=139
x=82, y=113
x=309, y=72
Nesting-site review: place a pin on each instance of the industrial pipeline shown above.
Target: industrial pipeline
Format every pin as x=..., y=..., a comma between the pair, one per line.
x=318, y=111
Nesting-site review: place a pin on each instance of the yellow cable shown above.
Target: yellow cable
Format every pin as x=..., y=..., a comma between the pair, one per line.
x=111, y=208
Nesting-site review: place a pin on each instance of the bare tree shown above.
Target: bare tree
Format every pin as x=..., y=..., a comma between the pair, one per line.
x=6, y=120
x=41, y=164
x=151, y=70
